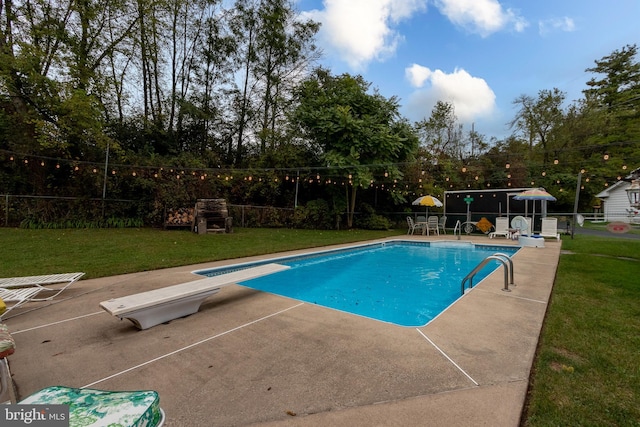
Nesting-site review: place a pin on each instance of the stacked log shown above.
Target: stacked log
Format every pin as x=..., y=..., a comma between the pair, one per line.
x=181, y=217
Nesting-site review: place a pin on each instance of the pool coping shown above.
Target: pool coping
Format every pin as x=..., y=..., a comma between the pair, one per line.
x=250, y=358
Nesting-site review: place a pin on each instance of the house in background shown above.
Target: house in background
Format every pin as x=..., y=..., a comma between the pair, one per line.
x=615, y=201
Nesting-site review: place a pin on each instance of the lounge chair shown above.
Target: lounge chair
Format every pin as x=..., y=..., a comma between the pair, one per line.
x=90, y=407
x=501, y=228
x=550, y=228
x=20, y=290
x=413, y=226
x=44, y=283
x=17, y=297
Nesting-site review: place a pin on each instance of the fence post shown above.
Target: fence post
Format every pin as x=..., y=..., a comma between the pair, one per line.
x=6, y=210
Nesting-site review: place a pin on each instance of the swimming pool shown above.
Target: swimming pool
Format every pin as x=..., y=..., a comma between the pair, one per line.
x=400, y=282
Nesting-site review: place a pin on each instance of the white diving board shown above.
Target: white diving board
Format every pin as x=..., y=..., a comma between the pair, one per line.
x=147, y=309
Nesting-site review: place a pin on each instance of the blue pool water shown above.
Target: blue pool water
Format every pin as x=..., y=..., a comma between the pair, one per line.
x=405, y=283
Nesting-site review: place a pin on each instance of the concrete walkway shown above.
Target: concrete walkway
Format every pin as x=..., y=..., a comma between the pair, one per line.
x=251, y=358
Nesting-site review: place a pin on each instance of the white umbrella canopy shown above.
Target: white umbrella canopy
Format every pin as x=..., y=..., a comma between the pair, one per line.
x=534, y=194
x=427, y=201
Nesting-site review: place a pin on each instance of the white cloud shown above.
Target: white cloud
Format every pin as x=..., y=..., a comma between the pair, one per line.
x=417, y=75
x=483, y=17
x=556, y=24
x=471, y=96
x=359, y=31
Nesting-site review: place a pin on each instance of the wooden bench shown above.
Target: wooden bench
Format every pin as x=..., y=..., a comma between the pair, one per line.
x=147, y=309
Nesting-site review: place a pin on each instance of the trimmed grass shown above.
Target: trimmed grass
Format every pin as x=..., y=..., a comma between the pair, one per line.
x=587, y=370
x=107, y=252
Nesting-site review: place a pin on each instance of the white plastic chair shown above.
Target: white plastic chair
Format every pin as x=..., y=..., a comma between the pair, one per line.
x=413, y=226
x=432, y=225
x=550, y=228
x=441, y=224
x=501, y=228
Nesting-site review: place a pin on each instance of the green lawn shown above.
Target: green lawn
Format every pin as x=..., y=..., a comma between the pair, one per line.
x=106, y=252
x=587, y=371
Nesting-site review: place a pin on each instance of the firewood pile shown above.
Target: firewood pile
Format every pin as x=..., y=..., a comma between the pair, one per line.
x=181, y=217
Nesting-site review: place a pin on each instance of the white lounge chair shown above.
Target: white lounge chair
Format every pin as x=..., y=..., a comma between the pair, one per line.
x=44, y=283
x=14, y=298
x=550, y=228
x=147, y=309
x=20, y=290
x=501, y=228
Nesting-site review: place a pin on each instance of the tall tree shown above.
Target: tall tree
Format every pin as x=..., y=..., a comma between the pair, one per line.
x=441, y=136
x=356, y=131
x=616, y=92
x=537, y=118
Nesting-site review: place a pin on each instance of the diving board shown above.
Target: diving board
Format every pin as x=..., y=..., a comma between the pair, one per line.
x=147, y=309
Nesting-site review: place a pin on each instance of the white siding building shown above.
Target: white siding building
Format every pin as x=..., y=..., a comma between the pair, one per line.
x=615, y=203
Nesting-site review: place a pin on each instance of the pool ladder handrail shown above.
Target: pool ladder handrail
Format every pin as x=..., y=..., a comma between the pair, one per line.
x=507, y=263
x=458, y=229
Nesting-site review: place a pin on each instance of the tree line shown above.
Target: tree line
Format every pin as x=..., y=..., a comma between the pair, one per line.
x=163, y=102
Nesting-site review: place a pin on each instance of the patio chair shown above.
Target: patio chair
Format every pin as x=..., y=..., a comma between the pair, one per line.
x=441, y=224
x=432, y=225
x=501, y=228
x=413, y=226
x=550, y=228
x=91, y=407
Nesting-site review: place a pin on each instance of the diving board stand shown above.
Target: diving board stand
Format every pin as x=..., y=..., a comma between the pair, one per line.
x=147, y=309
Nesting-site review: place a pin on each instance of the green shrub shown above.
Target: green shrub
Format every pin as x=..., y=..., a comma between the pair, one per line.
x=316, y=214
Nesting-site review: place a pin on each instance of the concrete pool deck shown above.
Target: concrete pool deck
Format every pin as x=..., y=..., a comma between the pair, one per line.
x=252, y=358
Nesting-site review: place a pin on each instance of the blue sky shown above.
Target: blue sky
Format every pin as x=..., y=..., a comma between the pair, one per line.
x=479, y=55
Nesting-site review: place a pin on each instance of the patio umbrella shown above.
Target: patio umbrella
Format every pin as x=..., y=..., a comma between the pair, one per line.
x=534, y=194
x=427, y=201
